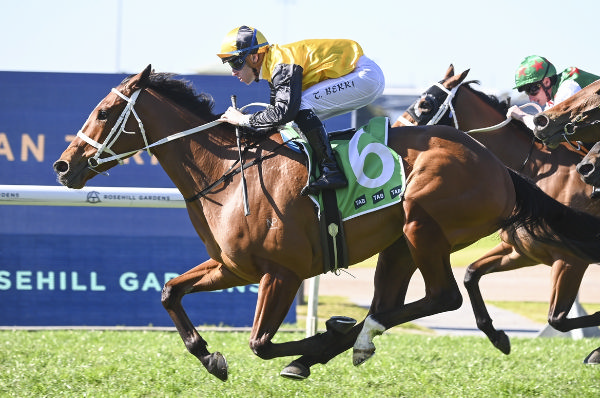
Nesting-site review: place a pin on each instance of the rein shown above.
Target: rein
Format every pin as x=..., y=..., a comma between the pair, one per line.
x=528, y=154
x=119, y=128
x=231, y=172
x=505, y=122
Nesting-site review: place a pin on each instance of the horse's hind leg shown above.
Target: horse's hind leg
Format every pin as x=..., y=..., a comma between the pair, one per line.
x=431, y=253
x=395, y=267
x=501, y=258
x=207, y=276
x=566, y=280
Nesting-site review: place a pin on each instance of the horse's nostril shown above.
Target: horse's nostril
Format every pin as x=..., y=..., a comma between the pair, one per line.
x=540, y=121
x=60, y=167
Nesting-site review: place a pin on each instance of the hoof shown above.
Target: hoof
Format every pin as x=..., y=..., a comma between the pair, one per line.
x=216, y=365
x=296, y=371
x=340, y=324
x=593, y=358
x=502, y=342
x=360, y=356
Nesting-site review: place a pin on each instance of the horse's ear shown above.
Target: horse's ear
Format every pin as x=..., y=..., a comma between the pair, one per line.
x=141, y=80
x=138, y=81
x=146, y=74
x=454, y=81
x=449, y=72
x=463, y=75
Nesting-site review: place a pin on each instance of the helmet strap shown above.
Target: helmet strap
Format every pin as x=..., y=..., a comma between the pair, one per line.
x=547, y=90
x=256, y=66
x=256, y=74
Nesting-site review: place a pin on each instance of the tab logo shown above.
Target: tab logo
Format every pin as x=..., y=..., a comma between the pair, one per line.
x=378, y=197
x=394, y=192
x=360, y=202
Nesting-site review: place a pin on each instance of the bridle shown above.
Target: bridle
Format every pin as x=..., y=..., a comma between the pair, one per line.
x=447, y=106
x=434, y=95
x=572, y=126
x=119, y=128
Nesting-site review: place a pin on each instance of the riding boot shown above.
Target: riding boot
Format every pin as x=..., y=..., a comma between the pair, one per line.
x=595, y=193
x=331, y=176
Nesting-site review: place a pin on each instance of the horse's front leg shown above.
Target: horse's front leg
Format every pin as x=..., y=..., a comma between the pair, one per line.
x=501, y=258
x=210, y=275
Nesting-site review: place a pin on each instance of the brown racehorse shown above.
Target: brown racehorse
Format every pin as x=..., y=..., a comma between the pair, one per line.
x=456, y=193
x=575, y=119
x=553, y=171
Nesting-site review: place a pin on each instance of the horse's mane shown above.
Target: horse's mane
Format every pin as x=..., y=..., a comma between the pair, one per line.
x=492, y=100
x=499, y=105
x=182, y=93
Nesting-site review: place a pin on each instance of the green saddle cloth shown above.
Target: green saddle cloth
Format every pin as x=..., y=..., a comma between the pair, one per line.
x=374, y=171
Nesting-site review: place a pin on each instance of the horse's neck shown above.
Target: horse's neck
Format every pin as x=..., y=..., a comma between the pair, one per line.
x=511, y=145
x=195, y=161
x=554, y=172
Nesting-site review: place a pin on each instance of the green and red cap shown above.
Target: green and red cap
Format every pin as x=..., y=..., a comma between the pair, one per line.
x=533, y=69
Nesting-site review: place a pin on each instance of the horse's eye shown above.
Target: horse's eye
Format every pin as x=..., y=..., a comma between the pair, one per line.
x=102, y=114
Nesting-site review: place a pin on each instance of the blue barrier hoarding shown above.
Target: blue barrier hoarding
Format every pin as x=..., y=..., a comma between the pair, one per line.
x=98, y=266
x=107, y=281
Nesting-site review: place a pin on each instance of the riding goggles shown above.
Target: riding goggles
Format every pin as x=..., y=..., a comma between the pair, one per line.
x=238, y=62
x=532, y=89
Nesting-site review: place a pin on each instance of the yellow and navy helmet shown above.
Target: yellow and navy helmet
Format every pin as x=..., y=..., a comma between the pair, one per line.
x=241, y=42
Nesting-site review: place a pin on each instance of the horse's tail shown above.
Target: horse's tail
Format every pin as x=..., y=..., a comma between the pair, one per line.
x=549, y=221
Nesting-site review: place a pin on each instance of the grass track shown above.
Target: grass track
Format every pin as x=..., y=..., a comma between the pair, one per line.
x=156, y=364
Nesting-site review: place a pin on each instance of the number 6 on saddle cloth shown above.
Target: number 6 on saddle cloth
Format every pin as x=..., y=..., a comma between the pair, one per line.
x=375, y=175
